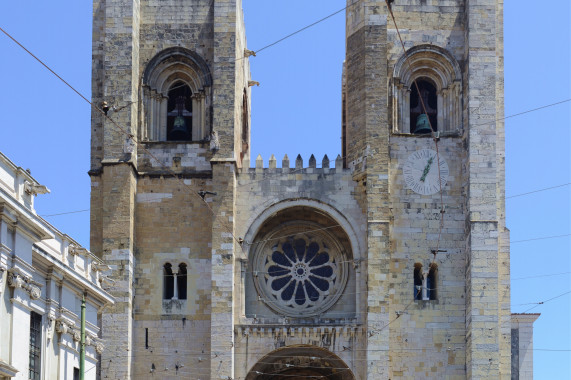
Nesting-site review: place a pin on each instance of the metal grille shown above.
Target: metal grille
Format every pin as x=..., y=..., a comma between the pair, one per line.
x=35, y=346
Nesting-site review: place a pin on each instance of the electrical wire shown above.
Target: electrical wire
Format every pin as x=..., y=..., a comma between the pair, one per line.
x=540, y=275
x=249, y=183
x=304, y=28
x=543, y=302
x=127, y=134
x=267, y=46
x=539, y=238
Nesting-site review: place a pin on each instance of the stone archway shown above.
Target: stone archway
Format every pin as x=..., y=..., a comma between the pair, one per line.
x=300, y=363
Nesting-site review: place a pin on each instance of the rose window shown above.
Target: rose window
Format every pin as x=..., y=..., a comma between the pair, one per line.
x=301, y=274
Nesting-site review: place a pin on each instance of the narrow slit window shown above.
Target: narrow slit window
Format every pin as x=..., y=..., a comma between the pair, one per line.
x=168, y=282
x=181, y=282
x=417, y=291
x=431, y=282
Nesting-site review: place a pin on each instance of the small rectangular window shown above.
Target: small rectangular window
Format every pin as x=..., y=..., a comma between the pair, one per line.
x=75, y=373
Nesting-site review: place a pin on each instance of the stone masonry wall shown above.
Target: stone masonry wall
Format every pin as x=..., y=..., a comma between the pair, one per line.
x=174, y=226
x=428, y=339
x=260, y=193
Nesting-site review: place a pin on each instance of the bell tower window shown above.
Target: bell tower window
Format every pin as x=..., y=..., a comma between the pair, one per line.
x=176, y=97
x=179, y=112
x=439, y=81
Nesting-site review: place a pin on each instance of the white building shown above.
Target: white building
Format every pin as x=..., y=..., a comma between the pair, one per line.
x=43, y=275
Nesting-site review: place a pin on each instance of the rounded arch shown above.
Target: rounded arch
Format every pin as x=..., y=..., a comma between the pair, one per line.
x=177, y=63
x=438, y=67
x=170, y=66
x=260, y=218
x=298, y=362
x=300, y=255
x=427, y=61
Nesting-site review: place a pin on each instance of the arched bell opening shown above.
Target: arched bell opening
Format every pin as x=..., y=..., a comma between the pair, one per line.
x=439, y=80
x=300, y=363
x=179, y=112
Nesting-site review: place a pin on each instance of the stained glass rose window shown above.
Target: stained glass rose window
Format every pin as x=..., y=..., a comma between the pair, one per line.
x=303, y=273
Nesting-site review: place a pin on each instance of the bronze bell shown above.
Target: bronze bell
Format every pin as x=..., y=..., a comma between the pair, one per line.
x=422, y=124
x=179, y=131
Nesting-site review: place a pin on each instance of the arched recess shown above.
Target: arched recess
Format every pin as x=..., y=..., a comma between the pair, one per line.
x=300, y=263
x=167, y=71
x=435, y=66
x=300, y=363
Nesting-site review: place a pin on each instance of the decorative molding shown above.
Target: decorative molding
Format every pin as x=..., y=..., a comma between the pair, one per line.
x=18, y=280
x=268, y=331
x=63, y=325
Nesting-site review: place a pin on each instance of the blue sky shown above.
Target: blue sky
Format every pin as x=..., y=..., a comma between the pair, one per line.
x=44, y=126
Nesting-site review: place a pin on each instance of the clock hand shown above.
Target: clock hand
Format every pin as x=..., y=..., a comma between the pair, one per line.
x=426, y=169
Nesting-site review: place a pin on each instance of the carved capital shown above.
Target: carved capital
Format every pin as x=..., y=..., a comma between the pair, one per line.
x=18, y=280
x=15, y=279
x=199, y=95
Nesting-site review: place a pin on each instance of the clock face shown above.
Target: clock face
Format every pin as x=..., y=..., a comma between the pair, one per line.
x=421, y=172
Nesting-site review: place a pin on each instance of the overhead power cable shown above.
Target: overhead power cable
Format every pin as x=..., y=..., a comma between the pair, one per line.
x=540, y=275
x=127, y=134
x=302, y=29
x=543, y=302
x=540, y=238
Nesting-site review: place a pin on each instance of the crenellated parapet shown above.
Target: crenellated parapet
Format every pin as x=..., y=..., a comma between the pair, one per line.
x=298, y=165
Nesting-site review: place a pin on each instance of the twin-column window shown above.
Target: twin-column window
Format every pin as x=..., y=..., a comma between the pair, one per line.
x=174, y=282
x=425, y=282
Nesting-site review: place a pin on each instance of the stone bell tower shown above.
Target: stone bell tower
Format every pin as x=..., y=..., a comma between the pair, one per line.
x=172, y=82
x=438, y=249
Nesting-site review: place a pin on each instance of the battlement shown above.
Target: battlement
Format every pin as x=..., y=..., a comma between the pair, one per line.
x=326, y=163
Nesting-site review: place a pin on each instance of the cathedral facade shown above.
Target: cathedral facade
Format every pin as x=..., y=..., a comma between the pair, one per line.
x=388, y=261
